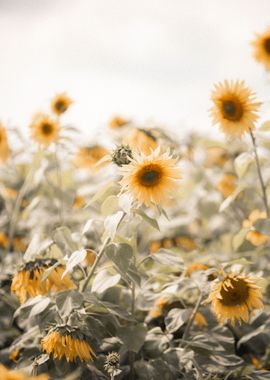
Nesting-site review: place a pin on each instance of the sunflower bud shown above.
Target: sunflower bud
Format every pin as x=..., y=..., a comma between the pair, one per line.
x=122, y=155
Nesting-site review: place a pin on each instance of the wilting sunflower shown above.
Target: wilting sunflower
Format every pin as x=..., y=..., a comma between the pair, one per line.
x=235, y=108
x=44, y=129
x=60, y=104
x=262, y=48
x=234, y=297
x=88, y=156
x=227, y=184
x=28, y=281
x=255, y=237
x=150, y=179
x=141, y=140
x=4, y=148
x=7, y=374
x=69, y=342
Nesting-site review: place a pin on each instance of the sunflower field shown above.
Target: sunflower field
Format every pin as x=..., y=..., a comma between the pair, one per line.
x=138, y=255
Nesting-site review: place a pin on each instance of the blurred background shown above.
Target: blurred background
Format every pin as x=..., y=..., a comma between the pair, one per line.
x=145, y=59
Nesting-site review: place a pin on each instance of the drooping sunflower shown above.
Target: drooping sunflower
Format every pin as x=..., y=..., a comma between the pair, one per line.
x=28, y=281
x=7, y=374
x=88, y=156
x=227, y=184
x=150, y=179
x=141, y=140
x=4, y=148
x=261, y=47
x=234, y=297
x=235, y=108
x=69, y=343
x=255, y=237
x=60, y=103
x=44, y=129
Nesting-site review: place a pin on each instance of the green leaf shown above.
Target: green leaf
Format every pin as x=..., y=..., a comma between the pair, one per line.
x=63, y=238
x=68, y=301
x=263, y=226
x=239, y=238
x=242, y=162
x=40, y=307
x=176, y=318
x=109, y=206
x=104, y=281
x=133, y=336
x=112, y=222
x=76, y=258
x=226, y=203
x=147, y=218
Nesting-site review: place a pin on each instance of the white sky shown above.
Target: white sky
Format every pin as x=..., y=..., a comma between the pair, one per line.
x=145, y=59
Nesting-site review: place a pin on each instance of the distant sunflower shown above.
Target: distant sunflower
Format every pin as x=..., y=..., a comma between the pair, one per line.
x=7, y=374
x=227, y=184
x=44, y=129
x=88, y=156
x=141, y=140
x=150, y=179
x=155, y=246
x=68, y=342
x=3, y=240
x=158, y=307
x=234, y=108
x=28, y=281
x=262, y=48
x=216, y=156
x=60, y=104
x=4, y=148
x=255, y=237
x=118, y=122
x=234, y=297
x=185, y=242
x=196, y=267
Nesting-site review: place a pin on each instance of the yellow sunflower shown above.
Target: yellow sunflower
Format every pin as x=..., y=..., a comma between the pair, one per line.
x=185, y=242
x=227, y=184
x=4, y=148
x=158, y=308
x=216, y=156
x=44, y=129
x=118, y=122
x=233, y=298
x=3, y=240
x=60, y=104
x=255, y=237
x=150, y=179
x=141, y=140
x=155, y=246
x=28, y=281
x=67, y=342
x=261, y=47
x=196, y=267
x=200, y=320
x=7, y=374
x=88, y=156
x=235, y=108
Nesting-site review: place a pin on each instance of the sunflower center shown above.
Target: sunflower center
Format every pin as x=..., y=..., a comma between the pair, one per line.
x=60, y=106
x=46, y=129
x=149, y=175
x=236, y=294
x=267, y=45
x=232, y=110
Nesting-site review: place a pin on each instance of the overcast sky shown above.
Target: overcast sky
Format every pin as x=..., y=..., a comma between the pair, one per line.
x=146, y=59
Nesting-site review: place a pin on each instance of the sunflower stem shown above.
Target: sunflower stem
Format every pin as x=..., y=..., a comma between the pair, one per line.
x=192, y=317
x=59, y=184
x=96, y=262
x=263, y=187
x=18, y=202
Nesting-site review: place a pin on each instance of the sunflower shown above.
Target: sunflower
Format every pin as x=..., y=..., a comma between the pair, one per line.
x=185, y=242
x=234, y=108
x=79, y=202
x=44, y=129
x=88, y=156
x=234, y=297
x=4, y=148
x=60, y=104
x=6, y=374
x=216, y=156
x=28, y=281
x=69, y=342
x=261, y=47
x=227, y=184
x=3, y=240
x=155, y=246
x=158, y=308
x=167, y=243
x=255, y=237
x=200, y=320
x=141, y=140
x=118, y=122
x=150, y=179
x=196, y=267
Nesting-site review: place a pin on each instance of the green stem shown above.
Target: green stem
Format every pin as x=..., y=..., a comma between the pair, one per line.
x=18, y=202
x=192, y=317
x=59, y=184
x=264, y=194
x=96, y=262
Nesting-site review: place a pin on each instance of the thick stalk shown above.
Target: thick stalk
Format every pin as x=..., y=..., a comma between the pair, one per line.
x=263, y=187
x=96, y=262
x=192, y=317
x=59, y=184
